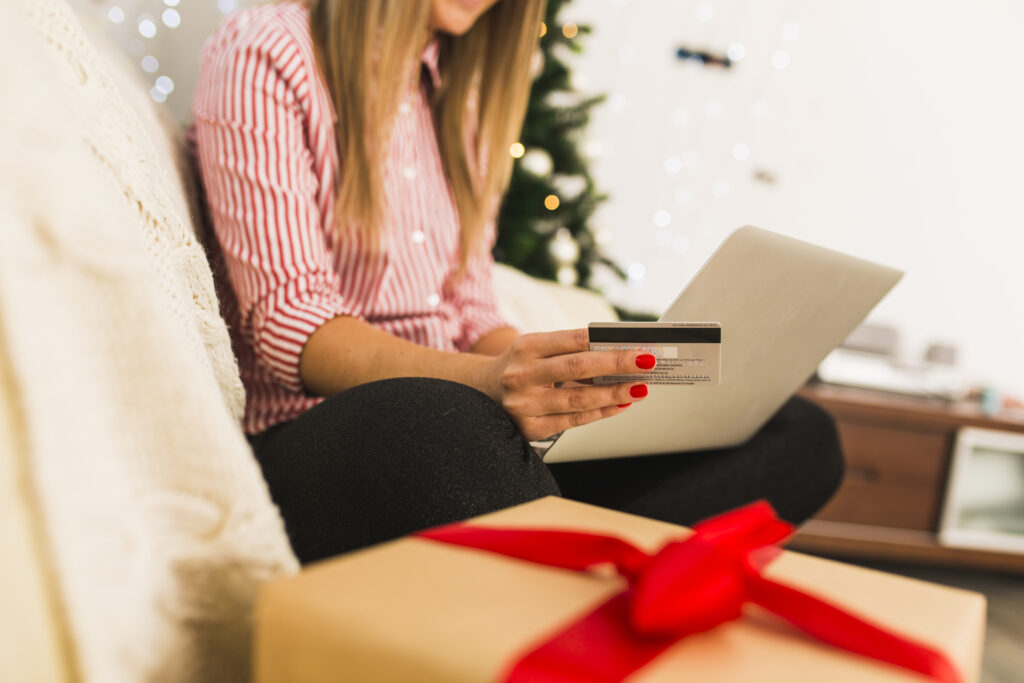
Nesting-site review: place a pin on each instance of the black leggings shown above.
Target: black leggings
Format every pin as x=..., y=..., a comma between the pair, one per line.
x=388, y=458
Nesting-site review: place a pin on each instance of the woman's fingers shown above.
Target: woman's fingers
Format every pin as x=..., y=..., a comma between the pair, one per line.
x=543, y=381
x=553, y=357
x=580, y=399
x=587, y=364
x=548, y=344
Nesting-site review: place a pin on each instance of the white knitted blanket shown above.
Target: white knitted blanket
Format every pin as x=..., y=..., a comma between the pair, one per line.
x=157, y=520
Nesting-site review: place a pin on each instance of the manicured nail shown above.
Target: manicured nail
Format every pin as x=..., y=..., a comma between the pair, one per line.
x=645, y=361
x=638, y=390
x=625, y=405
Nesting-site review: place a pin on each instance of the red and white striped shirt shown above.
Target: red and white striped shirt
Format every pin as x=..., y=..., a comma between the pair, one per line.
x=264, y=127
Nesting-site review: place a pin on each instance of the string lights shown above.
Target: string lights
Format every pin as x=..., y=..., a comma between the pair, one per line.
x=715, y=112
x=138, y=26
x=564, y=250
x=538, y=162
x=689, y=166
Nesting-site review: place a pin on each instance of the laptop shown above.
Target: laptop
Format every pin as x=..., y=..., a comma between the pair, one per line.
x=783, y=304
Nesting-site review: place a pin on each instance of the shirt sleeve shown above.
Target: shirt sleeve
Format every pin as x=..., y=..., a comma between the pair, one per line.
x=475, y=297
x=261, y=188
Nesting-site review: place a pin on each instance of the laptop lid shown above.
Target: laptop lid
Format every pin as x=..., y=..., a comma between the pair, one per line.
x=783, y=304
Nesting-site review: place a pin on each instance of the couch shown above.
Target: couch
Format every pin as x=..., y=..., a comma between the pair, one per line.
x=134, y=524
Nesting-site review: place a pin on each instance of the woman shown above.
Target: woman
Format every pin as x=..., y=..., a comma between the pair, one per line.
x=343, y=148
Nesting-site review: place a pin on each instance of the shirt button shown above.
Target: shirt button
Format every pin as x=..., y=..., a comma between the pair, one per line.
x=419, y=237
x=409, y=172
x=433, y=300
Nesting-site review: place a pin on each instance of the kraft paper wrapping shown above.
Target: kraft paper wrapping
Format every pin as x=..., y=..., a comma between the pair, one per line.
x=423, y=611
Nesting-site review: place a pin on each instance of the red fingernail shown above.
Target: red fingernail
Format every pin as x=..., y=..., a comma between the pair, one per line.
x=645, y=361
x=638, y=390
x=625, y=405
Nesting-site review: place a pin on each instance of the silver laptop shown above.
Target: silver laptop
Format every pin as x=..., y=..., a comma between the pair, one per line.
x=783, y=304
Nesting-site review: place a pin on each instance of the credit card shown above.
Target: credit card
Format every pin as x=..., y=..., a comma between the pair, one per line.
x=686, y=353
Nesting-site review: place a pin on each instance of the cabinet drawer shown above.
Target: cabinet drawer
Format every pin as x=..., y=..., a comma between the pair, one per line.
x=894, y=477
x=896, y=456
x=882, y=504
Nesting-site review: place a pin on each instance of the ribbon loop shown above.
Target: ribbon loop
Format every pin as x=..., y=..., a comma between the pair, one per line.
x=696, y=584
x=689, y=587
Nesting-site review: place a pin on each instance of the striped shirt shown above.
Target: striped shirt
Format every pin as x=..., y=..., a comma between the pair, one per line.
x=264, y=129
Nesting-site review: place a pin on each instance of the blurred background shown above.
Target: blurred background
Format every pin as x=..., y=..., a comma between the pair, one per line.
x=889, y=130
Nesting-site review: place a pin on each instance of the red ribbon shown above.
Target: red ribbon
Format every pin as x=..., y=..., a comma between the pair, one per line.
x=689, y=586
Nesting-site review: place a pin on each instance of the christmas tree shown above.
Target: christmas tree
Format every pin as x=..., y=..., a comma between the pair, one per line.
x=543, y=225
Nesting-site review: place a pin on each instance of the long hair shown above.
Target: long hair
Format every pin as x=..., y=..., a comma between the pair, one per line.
x=368, y=52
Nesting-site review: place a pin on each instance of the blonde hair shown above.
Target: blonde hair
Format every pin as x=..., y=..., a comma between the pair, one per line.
x=368, y=50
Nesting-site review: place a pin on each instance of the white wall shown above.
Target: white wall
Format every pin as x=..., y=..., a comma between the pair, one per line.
x=895, y=133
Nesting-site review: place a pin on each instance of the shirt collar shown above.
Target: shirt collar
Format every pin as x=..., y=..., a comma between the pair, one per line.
x=429, y=57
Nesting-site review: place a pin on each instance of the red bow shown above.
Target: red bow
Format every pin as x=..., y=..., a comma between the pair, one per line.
x=689, y=586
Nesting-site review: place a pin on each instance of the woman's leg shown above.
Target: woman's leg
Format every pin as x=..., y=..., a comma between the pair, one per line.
x=388, y=458
x=795, y=461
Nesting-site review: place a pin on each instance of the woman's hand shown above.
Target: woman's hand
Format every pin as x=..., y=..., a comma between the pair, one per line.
x=536, y=379
x=526, y=380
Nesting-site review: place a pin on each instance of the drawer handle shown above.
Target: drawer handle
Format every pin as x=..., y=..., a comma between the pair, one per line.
x=862, y=473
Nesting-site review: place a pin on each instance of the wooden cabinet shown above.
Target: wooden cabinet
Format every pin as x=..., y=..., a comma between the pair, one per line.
x=898, y=452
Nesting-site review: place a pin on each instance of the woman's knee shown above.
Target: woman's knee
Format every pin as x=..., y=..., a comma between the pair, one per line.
x=455, y=448
x=441, y=419
x=813, y=454
x=400, y=455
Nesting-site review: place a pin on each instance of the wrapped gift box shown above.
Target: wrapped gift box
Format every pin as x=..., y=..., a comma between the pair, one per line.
x=417, y=610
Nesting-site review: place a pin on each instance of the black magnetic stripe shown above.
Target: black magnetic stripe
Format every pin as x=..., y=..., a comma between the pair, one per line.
x=664, y=335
